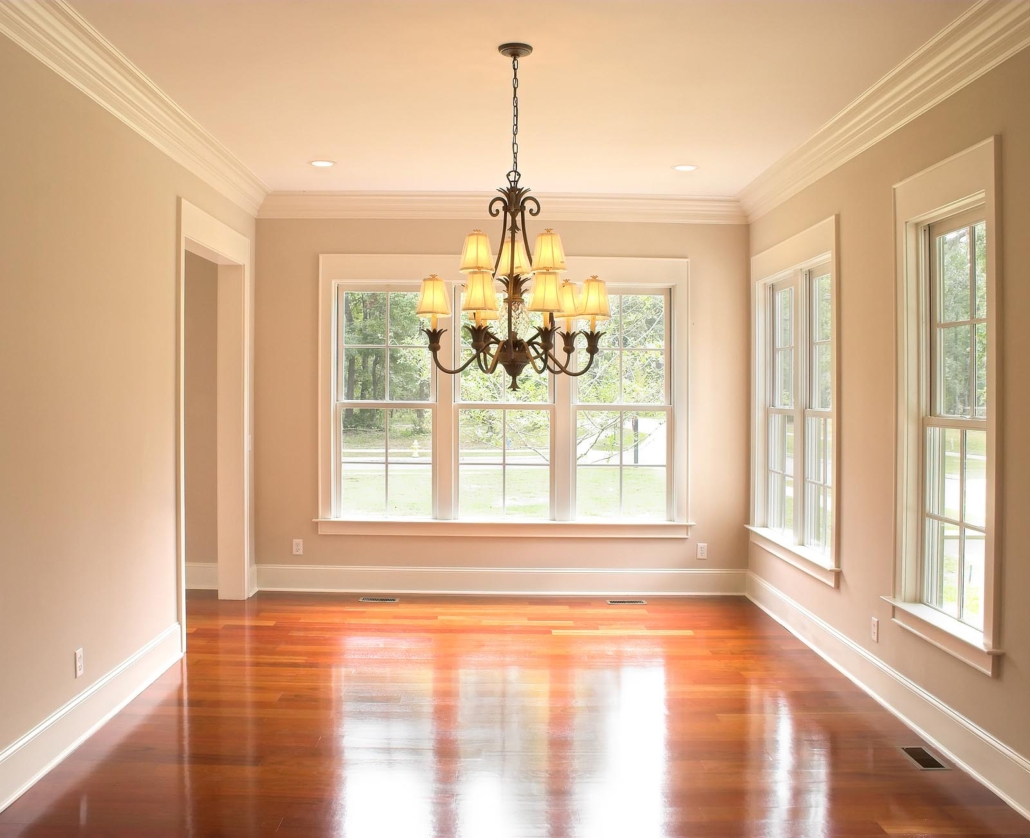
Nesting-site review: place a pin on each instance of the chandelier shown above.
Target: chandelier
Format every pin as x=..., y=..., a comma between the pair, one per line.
x=556, y=300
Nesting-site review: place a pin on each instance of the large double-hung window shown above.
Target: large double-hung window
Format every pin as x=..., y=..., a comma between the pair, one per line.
x=794, y=408
x=406, y=447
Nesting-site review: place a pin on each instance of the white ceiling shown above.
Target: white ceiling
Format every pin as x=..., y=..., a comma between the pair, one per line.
x=411, y=95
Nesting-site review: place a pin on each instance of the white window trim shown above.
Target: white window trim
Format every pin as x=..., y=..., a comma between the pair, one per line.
x=963, y=181
x=808, y=249
x=334, y=269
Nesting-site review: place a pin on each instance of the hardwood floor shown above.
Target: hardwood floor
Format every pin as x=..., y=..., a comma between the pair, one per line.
x=318, y=715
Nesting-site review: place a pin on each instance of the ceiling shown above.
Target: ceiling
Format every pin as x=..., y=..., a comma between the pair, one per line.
x=411, y=95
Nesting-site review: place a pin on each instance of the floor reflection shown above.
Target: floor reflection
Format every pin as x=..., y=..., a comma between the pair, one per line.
x=309, y=716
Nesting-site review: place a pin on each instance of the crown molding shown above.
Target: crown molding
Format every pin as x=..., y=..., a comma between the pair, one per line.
x=61, y=38
x=452, y=205
x=983, y=37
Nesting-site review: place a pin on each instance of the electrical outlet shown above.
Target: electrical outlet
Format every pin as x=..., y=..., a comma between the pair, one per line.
x=78, y=663
x=875, y=631
x=298, y=546
x=702, y=551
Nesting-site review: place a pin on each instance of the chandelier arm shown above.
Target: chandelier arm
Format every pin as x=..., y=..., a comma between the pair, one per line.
x=504, y=229
x=461, y=369
x=545, y=356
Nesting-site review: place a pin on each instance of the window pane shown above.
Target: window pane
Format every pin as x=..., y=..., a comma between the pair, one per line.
x=527, y=492
x=643, y=377
x=477, y=386
x=409, y=374
x=643, y=321
x=411, y=436
x=411, y=491
x=943, y=471
x=981, y=371
x=980, y=235
x=597, y=492
x=644, y=440
x=480, y=434
x=788, y=504
x=822, y=392
x=976, y=479
x=643, y=493
x=363, y=436
x=953, y=254
x=783, y=387
x=784, y=318
x=600, y=384
x=955, y=373
x=972, y=592
x=364, y=318
x=597, y=437
x=480, y=491
x=532, y=387
x=612, y=329
x=942, y=565
x=404, y=323
x=364, y=374
x=363, y=489
x=781, y=443
x=527, y=437
x=823, y=307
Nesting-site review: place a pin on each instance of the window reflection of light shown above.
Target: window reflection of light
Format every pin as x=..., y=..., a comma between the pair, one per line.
x=387, y=801
x=488, y=807
x=627, y=796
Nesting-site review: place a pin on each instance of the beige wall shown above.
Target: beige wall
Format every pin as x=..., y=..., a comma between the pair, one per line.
x=200, y=383
x=286, y=422
x=861, y=192
x=88, y=263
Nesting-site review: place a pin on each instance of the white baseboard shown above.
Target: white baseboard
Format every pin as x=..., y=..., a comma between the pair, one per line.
x=27, y=759
x=201, y=576
x=989, y=760
x=500, y=580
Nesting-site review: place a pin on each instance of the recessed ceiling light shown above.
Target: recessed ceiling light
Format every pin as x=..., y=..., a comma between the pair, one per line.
x=686, y=167
x=322, y=164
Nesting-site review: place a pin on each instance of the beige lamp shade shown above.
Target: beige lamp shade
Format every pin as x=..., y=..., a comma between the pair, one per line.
x=475, y=256
x=432, y=299
x=479, y=292
x=570, y=303
x=594, y=301
x=548, y=254
x=522, y=265
x=546, y=296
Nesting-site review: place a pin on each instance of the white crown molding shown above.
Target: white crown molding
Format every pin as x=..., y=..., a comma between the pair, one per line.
x=653, y=209
x=61, y=38
x=979, y=40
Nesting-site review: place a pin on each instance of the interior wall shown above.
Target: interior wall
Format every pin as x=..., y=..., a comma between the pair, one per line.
x=200, y=386
x=861, y=192
x=88, y=266
x=286, y=421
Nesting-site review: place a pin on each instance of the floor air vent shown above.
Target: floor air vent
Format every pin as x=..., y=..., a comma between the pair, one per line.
x=924, y=759
x=627, y=602
x=378, y=599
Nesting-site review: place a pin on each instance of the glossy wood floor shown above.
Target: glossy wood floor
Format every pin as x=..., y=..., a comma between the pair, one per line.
x=486, y=718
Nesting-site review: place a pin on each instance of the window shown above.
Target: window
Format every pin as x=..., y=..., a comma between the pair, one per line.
x=955, y=419
x=944, y=590
x=794, y=477
x=415, y=450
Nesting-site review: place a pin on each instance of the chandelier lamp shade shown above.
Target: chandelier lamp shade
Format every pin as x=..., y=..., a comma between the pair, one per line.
x=551, y=296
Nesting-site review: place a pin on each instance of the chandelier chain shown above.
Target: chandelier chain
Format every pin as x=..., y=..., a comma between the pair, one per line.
x=513, y=175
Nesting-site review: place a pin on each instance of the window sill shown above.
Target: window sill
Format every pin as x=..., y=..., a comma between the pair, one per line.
x=806, y=560
x=509, y=529
x=946, y=633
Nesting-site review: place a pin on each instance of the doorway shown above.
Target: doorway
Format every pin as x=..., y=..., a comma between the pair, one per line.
x=214, y=472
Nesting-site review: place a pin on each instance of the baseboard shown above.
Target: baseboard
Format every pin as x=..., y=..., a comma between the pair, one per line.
x=966, y=744
x=27, y=759
x=500, y=580
x=201, y=576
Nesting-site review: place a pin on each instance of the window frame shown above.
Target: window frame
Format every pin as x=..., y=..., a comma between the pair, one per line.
x=627, y=274
x=954, y=186
x=794, y=263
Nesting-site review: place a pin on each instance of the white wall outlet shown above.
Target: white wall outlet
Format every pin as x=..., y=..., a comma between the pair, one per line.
x=78, y=663
x=298, y=546
x=875, y=630
x=702, y=551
